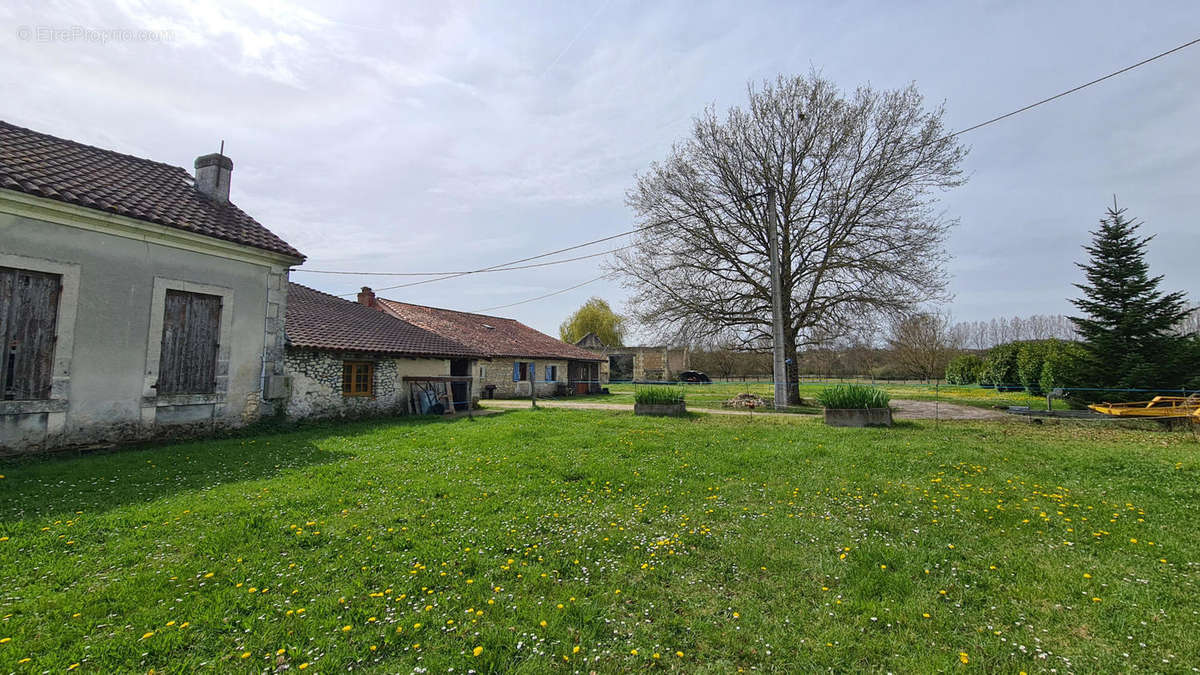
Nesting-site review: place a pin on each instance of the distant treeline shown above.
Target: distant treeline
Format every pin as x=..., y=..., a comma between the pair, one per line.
x=1037, y=353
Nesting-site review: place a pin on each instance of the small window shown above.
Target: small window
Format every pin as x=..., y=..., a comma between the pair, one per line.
x=358, y=378
x=28, y=314
x=551, y=373
x=482, y=372
x=188, y=358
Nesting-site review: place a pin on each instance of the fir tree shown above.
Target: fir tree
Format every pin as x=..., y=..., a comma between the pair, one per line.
x=1128, y=331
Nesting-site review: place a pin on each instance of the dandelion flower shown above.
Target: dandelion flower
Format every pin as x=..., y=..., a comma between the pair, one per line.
x=962, y=656
x=477, y=651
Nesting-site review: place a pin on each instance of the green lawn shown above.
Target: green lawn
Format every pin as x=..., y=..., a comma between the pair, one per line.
x=564, y=540
x=713, y=395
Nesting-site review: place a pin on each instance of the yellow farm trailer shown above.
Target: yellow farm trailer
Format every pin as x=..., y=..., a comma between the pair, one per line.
x=1159, y=407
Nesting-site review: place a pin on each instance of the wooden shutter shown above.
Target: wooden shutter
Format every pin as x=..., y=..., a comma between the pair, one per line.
x=191, y=328
x=28, y=316
x=516, y=371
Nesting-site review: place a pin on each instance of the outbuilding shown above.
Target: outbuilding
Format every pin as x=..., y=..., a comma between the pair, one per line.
x=136, y=301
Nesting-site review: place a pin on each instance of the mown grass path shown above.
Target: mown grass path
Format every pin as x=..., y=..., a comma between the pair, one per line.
x=713, y=395
x=561, y=541
x=911, y=410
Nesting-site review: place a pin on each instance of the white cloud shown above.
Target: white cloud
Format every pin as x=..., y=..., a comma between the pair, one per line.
x=450, y=135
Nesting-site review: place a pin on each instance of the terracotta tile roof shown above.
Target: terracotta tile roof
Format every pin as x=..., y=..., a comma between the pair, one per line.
x=56, y=168
x=494, y=336
x=322, y=321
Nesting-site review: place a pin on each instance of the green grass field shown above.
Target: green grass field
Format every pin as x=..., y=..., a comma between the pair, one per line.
x=713, y=395
x=565, y=540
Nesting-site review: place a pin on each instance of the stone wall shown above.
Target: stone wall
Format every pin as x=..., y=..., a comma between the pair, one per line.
x=274, y=339
x=500, y=373
x=649, y=363
x=316, y=384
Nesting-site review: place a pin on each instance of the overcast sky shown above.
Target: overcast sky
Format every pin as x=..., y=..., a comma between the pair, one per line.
x=440, y=136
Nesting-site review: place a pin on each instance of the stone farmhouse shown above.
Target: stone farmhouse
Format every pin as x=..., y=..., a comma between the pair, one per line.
x=516, y=357
x=136, y=300
x=347, y=359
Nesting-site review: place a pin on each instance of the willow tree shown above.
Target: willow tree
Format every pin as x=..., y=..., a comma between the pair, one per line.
x=595, y=316
x=856, y=177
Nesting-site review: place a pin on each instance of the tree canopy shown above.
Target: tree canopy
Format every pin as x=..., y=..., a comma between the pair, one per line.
x=595, y=316
x=855, y=175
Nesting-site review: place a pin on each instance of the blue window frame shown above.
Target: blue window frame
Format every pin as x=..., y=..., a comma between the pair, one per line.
x=521, y=371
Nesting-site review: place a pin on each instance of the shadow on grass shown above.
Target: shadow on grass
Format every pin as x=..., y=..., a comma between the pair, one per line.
x=62, y=484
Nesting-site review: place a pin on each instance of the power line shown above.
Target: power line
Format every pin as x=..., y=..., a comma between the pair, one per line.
x=1072, y=91
x=494, y=268
x=510, y=266
x=491, y=269
x=541, y=297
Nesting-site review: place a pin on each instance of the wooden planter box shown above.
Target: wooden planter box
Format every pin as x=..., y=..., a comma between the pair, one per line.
x=660, y=410
x=859, y=417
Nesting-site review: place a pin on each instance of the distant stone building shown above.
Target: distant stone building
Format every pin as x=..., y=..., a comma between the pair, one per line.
x=637, y=364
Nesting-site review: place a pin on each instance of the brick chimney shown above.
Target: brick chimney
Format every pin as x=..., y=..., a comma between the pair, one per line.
x=367, y=297
x=212, y=176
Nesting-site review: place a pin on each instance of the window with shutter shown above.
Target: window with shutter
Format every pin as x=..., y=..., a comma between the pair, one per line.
x=190, y=341
x=28, y=314
x=521, y=371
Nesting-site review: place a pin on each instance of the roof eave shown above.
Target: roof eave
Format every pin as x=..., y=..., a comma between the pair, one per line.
x=83, y=217
x=386, y=352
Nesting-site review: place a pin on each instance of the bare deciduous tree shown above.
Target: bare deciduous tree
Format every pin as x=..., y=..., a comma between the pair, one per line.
x=855, y=174
x=980, y=335
x=1190, y=325
x=922, y=344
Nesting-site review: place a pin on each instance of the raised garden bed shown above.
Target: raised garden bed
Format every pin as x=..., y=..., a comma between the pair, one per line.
x=660, y=401
x=858, y=417
x=856, y=405
x=660, y=409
